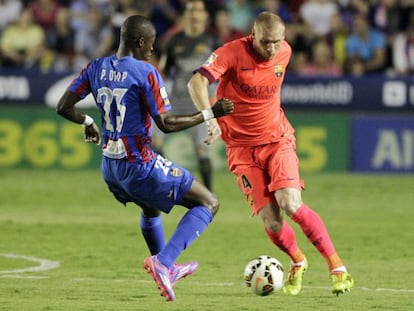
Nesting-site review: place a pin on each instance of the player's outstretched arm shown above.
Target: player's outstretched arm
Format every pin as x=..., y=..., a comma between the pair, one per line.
x=169, y=123
x=221, y=108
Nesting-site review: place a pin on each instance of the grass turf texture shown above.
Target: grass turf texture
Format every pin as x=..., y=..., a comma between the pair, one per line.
x=70, y=217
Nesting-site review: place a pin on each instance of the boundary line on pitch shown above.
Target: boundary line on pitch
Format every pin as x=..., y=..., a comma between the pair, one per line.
x=207, y=284
x=229, y=284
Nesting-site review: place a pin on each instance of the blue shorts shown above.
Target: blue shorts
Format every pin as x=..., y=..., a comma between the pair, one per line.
x=158, y=184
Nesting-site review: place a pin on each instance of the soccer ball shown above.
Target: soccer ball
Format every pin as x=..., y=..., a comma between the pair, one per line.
x=264, y=275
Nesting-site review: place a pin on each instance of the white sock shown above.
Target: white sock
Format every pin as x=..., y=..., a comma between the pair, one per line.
x=339, y=269
x=297, y=264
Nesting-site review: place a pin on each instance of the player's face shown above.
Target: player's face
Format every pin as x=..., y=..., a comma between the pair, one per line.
x=196, y=14
x=267, y=40
x=147, y=48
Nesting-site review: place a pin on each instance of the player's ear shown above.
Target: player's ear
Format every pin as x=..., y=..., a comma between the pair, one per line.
x=140, y=41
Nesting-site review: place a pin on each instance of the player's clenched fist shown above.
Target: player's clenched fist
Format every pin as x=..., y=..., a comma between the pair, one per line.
x=92, y=134
x=222, y=107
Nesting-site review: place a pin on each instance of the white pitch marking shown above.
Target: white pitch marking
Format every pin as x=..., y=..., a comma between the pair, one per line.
x=45, y=264
x=395, y=290
x=18, y=276
x=227, y=284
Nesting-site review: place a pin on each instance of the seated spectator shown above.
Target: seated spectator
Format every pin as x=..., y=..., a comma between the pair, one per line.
x=163, y=14
x=79, y=14
x=359, y=7
x=23, y=44
x=347, y=11
x=311, y=23
x=406, y=8
x=222, y=28
x=385, y=16
x=242, y=14
x=299, y=60
x=368, y=44
x=276, y=6
x=318, y=14
x=354, y=66
x=337, y=39
x=403, y=51
x=301, y=40
x=321, y=63
x=294, y=7
x=95, y=39
x=54, y=19
x=9, y=12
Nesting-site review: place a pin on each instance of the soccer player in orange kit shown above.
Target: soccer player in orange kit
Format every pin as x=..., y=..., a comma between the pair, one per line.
x=260, y=143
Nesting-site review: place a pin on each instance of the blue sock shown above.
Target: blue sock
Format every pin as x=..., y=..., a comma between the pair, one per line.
x=153, y=232
x=193, y=223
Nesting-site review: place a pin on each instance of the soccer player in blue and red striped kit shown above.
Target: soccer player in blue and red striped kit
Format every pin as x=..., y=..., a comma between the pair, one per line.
x=129, y=92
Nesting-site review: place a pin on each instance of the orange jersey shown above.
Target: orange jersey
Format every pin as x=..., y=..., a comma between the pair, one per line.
x=253, y=85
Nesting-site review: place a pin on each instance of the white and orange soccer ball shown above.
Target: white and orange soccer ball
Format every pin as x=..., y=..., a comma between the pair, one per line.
x=264, y=275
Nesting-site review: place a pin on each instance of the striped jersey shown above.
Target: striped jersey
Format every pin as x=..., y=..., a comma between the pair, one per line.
x=128, y=93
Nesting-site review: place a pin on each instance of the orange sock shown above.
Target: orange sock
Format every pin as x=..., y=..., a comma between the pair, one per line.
x=334, y=261
x=298, y=256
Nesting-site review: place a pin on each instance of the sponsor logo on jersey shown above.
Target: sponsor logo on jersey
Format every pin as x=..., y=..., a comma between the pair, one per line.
x=259, y=91
x=176, y=172
x=279, y=70
x=210, y=59
x=163, y=93
x=164, y=96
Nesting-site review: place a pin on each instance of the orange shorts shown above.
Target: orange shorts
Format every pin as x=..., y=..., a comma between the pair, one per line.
x=261, y=170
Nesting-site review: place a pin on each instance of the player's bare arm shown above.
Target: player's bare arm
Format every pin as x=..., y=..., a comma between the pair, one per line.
x=168, y=122
x=198, y=89
x=66, y=108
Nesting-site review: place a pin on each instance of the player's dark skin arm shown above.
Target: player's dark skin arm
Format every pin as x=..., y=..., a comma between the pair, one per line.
x=169, y=123
x=166, y=122
x=66, y=108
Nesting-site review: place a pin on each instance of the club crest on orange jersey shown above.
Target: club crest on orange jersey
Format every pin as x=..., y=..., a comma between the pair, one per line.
x=279, y=70
x=210, y=59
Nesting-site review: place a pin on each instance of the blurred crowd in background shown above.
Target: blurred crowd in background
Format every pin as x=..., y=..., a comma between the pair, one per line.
x=328, y=37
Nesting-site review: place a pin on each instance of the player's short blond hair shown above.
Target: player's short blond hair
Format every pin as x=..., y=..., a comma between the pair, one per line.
x=268, y=20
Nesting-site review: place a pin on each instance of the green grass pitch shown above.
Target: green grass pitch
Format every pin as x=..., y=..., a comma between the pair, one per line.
x=68, y=218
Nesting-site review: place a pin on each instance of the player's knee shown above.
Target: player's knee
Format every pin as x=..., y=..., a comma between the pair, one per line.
x=288, y=206
x=273, y=226
x=272, y=218
x=288, y=201
x=212, y=204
